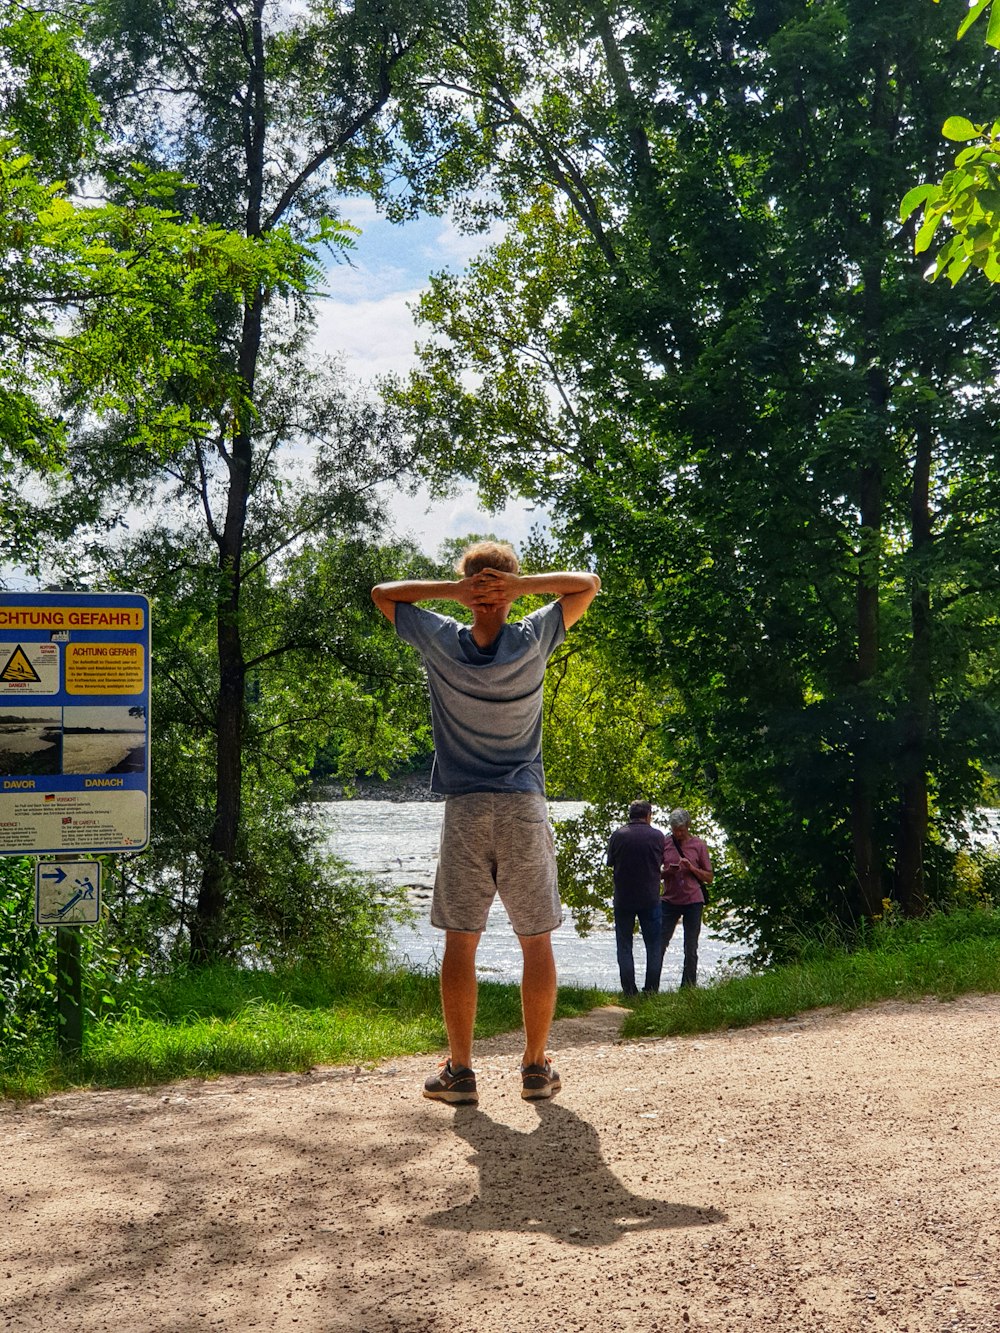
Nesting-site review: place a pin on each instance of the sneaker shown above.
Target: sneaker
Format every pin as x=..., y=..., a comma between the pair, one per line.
x=457, y=1086
x=538, y=1081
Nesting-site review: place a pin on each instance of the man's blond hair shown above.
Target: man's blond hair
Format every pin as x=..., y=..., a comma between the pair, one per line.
x=487, y=555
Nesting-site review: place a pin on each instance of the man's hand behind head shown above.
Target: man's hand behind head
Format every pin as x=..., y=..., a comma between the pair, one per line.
x=495, y=588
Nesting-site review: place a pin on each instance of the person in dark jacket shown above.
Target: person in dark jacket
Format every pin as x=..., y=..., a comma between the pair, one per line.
x=635, y=854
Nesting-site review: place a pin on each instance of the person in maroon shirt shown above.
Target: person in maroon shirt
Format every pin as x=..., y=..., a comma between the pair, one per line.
x=687, y=868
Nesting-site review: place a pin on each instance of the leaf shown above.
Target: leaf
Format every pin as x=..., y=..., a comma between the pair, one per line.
x=960, y=128
x=972, y=15
x=993, y=31
x=915, y=197
x=957, y=267
x=926, y=233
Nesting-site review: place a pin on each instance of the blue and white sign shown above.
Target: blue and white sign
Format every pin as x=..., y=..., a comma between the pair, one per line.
x=74, y=722
x=67, y=893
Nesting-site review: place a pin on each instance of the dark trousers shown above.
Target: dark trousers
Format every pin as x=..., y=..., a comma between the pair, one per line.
x=690, y=913
x=649, y=924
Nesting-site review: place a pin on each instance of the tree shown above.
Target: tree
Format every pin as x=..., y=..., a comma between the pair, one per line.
x=106, y=302
x=267, y=113
x=706, y=342
x=321, y=678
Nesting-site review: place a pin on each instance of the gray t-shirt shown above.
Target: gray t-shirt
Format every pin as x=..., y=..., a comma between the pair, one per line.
x=486, y=706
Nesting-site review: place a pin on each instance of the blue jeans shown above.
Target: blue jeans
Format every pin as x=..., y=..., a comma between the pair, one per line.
x=691, y=913
x=649, y=924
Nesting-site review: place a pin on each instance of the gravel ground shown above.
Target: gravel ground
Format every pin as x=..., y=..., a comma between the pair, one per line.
x=833, y=1174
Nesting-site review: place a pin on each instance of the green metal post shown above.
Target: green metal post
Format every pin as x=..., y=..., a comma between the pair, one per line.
x=69, y=990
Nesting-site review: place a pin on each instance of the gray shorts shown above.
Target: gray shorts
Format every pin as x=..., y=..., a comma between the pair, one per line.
x=496, y=842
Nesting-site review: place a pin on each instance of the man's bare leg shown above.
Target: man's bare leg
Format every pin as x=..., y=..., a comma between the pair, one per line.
x=459, y=992
x=538, y=994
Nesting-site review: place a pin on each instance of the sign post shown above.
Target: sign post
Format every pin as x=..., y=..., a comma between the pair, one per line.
x=69, y=990
x=74, y=757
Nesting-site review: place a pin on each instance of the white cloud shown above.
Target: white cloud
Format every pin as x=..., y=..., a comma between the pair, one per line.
x=431, y=522
x=366, y=318
x=372, y=336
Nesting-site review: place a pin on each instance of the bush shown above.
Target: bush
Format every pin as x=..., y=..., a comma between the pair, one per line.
x=27, y=959
x=288, y=901
x=28, y=974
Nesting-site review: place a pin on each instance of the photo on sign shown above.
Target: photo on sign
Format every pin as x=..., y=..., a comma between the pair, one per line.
x=29, y=741
x=104, y=740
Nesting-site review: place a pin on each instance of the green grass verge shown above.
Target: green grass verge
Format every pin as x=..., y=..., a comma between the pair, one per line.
x=943, y=956
x=226, y=1021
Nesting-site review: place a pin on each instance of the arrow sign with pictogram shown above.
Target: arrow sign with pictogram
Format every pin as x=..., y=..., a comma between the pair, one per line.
x=67, y=893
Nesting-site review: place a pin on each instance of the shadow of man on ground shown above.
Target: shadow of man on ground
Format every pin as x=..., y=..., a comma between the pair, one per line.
x=554, y=1180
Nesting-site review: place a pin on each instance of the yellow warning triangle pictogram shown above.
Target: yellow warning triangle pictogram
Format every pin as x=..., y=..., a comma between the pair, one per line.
x=18, y=668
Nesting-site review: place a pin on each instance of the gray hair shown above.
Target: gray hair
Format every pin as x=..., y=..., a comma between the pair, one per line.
x=679, y=818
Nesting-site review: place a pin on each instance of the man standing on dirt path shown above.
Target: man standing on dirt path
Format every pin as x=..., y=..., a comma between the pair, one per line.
x=486, y=711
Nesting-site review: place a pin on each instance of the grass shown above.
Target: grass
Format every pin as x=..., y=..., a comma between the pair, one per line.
x=226, y=1021
x=943, y=956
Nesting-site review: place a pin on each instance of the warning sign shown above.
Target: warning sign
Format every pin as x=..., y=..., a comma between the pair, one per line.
x=67, y=893
x=31, y=668
x=44, y=615
x=18, y=668
x=74, y=764
x=114, y=821
x=105, y=668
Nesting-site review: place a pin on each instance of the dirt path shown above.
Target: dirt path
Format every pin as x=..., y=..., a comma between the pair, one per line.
x=836, y=1173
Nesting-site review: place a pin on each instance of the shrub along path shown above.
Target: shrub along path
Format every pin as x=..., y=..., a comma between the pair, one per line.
x=833, y=1173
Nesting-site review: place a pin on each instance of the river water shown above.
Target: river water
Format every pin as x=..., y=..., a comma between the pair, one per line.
x=396, y=842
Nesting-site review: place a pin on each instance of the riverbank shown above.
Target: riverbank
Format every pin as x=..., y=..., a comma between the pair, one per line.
x=227, y=1019
x=415, y=786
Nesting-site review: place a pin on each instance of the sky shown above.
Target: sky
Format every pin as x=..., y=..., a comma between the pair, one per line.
x=367, y=322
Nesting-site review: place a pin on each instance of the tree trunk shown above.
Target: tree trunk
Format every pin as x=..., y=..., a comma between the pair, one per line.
x=867, y=754
x=208, y=934
x=866, y=856
x=913, y=816
x=207, y=927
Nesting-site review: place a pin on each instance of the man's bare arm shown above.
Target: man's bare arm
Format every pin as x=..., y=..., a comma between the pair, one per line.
x=491, y=588
x=387, y=596
x=575, y=590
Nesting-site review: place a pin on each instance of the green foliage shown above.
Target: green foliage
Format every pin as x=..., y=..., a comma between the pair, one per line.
x=45, y=102
x=28, y=979
x=977, y=878
x=27, y=959
x=976, y=9
x=968, y=196
x=704, y=342
x=314, y=910
x=105, y=308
